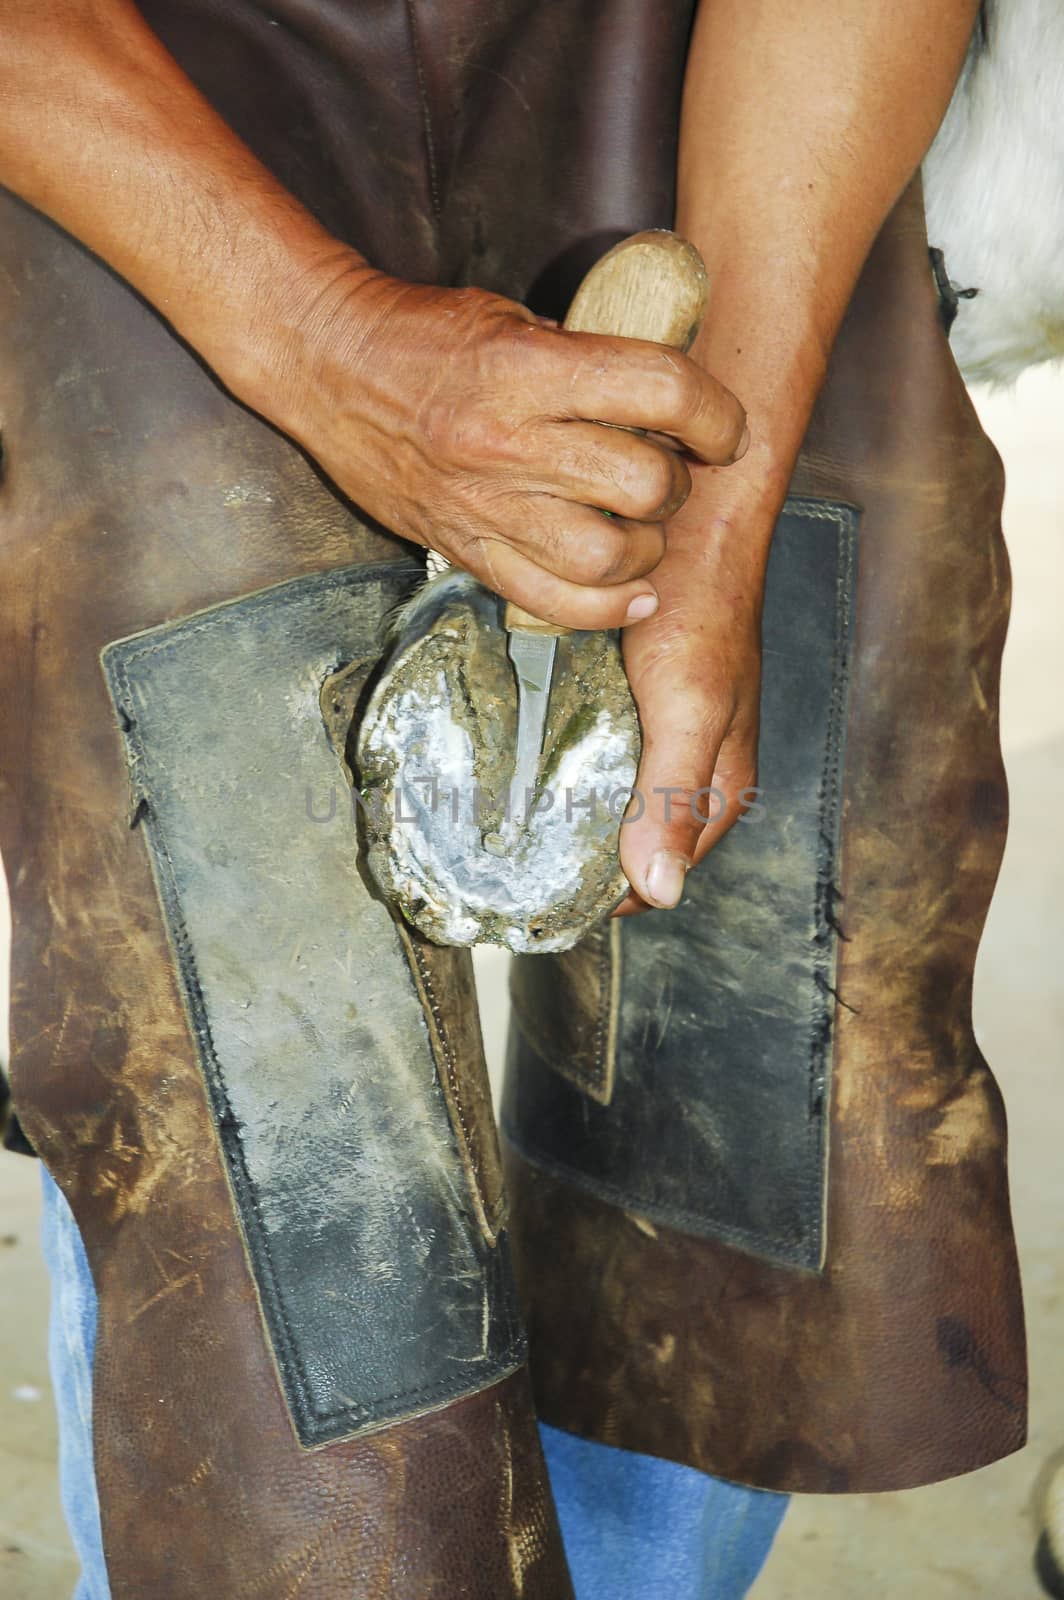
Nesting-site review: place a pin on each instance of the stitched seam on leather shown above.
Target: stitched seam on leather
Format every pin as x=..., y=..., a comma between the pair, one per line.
x=448, y=1058
x=613, y=969
x=488, y=1223
x=600, y=1028
x=225, y=1120
x=599, y=1083
x=426, y=112
x=591, y=1080
x=817, y=511
x=825, y=999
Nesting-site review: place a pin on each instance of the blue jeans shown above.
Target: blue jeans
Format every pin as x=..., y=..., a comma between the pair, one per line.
x=635, y=1528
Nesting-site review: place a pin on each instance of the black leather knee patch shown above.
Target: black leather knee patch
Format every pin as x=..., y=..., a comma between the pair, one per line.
x=684, y=1074
x=381, y=1295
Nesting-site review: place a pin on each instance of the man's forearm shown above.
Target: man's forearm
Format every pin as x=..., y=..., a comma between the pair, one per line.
x=801, y=127
x=443, y=413
x=101, y=130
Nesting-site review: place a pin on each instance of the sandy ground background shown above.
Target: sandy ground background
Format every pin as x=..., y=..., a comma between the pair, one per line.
x=972, y=1537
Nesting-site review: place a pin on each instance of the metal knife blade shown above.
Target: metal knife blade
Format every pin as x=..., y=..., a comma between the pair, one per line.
x=533, y=657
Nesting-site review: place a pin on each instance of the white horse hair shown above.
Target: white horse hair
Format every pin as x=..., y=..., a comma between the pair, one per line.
x=994, y=189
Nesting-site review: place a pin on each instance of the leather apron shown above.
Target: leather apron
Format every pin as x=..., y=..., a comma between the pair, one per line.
x=266, y=1102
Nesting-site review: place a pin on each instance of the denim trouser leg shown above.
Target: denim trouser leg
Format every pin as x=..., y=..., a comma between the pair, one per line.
x=635, y=1528
x=71, y=1342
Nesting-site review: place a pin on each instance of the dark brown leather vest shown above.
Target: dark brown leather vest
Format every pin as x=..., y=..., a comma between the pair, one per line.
x=254, y=1435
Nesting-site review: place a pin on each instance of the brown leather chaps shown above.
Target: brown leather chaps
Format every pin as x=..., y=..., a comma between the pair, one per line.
x=758, y=1215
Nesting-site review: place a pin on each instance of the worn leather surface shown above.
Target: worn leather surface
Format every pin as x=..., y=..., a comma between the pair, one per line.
x=903, y=1360
x=449, y=998
x=719, y=1059
x=445, y=986
x=382, y=1297
x=505, y=145
x=136, y=493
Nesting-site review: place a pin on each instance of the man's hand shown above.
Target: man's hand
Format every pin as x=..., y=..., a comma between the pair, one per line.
x=695, y=671
x=457, y=419
x=801, y=126
x=452, y=416
x=461, y=421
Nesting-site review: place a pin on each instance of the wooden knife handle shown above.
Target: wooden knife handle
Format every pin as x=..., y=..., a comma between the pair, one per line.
x=652, y=286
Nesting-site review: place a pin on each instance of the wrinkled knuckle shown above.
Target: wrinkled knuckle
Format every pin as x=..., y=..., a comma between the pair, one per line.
x=652, y=487
x=440, y=428
x=601, y=557
x=504, y=347
x=463, y=434
x=599, y=470
x=646, y=550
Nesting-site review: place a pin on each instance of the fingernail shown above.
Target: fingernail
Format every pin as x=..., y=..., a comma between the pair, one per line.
x=665, y=878
x=644, y=605
x=743, y=446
